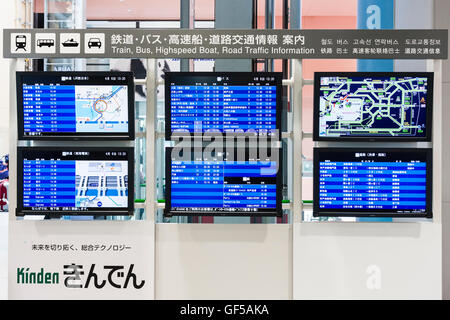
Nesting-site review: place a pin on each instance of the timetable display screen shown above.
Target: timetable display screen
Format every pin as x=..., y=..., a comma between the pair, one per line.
x=372, y=182
x=81, y=181
x=224, y=103
x=373, y=106
x=223, y=184
x=75, y=105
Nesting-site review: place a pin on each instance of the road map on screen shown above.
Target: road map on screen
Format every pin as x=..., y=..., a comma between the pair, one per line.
x=101, y=108
x=373, y=106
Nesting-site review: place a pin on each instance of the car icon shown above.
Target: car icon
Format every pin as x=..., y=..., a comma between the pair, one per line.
x=70, y=43
x=94, y=42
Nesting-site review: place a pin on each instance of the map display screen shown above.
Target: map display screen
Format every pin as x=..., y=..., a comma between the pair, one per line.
x=374, y=106
x=228, y=103
x=221, y=185
x=372, y=182
x=75, y=104
x=75, y=181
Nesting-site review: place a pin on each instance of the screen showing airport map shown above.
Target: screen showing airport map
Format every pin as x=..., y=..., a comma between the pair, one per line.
x=75, y=104
x=366, y=105
x=74, y=181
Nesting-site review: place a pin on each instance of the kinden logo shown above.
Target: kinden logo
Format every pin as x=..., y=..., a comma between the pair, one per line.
x=116, y=276
x=25, y=276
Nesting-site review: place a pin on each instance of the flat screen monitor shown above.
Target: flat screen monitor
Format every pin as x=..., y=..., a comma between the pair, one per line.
x=75, y=181
x=223, y=103
x=228, y=183
x=75, y=105
x=372, y=182
x=373, y=106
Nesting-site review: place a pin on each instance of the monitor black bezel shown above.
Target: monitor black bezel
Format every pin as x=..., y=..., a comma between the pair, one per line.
x=129, y=211
x=168, y=77
x=278, y=212
x=373, y=213
x=429, y=105
x=130, y=135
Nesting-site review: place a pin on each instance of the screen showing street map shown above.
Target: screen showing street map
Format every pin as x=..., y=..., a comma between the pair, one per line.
x=75, y=181
x=75, y=104
x=373, y=106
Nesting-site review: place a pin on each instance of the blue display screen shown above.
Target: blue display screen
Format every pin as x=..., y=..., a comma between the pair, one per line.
x=226, y=103
x=366, y=105
x=221, y=186
x=69, y=105
x=372, y=181
x=74, y=181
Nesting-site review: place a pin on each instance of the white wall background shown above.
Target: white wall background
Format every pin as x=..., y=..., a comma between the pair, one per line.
x=7, y=14
x=6, y=21
x=442, y=21
x=223, y=261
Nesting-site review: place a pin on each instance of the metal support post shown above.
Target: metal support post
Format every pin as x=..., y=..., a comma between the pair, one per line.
x=150, y=141
x=297, y=140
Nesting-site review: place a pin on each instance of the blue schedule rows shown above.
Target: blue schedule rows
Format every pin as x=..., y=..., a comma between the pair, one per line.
x=223, y=108
x=49, y=108
x=217, y=184
x=49, y=183
x=373, y=185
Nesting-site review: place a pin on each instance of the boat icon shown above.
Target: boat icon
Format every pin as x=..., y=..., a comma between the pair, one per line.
x=70, y=43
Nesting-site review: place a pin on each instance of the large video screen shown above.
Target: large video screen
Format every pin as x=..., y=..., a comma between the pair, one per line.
x=223, y=103
x=75, y=105
x=373, y=106
x=234, y=183
x=75, y=181
x=373, y=182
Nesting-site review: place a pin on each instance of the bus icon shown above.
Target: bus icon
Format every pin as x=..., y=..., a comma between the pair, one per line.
x=45, y=43
x=21, y=42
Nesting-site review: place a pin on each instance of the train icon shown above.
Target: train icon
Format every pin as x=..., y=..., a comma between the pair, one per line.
x=21, y=42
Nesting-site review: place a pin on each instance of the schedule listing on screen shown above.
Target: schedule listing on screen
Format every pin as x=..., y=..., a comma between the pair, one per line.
x=80, y=181
x=373, y=182
x=75, y=105
x=220, y=184
x=373, y=106
x=231, y=103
